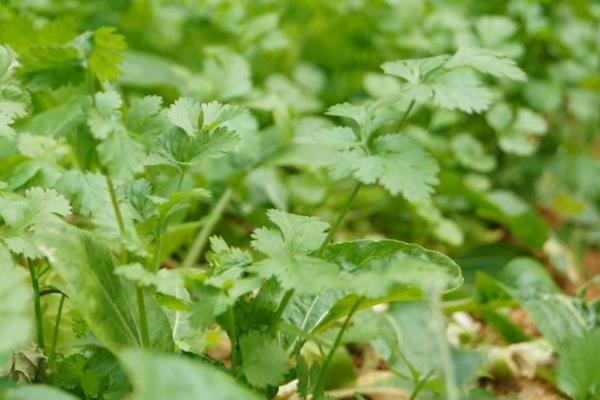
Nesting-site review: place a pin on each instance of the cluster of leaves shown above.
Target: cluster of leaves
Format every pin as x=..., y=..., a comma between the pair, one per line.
x=167, y=169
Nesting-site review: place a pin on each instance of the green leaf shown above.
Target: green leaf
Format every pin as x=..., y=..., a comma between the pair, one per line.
x=406, y=168
x=107, y=304
x=461, y=90
x=384, y=271
x=107, y=54
x=121, y=155
x=35, y=392
x=264, y=362
x=453, y=82
x=556, y=316
x=185, y=113
x=487, y=62
x=377, y=269
x=158, y=377
x=15, y=313
x=87, y=191
x=396, y=162
x=26, y=216
x=13, y=99
x=471, y=154
x=528, y=276
x=578, y=366
x=145, y=116
x=58, y=121
x=105, y=117
x=288, y=249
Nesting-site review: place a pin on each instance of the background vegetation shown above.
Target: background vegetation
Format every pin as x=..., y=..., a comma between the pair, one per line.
x=239, y=199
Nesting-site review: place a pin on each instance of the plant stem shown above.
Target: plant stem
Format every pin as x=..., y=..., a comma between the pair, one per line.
x=320, y=384
x=340, y=218
x=420, y=384
x=282, y=306
x=406, y=113
x=115, y=204
x=37, y=306
x=201, y=239
x=55, y=330
x=158, y=251
x=233, y=338
x=139, y=294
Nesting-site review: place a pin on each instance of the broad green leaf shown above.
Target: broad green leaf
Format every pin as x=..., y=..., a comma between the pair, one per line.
x=35, y=392
x=264, y=362
x=578, y=366
x=107, y=304
x=528, y=276
x=555, y=316
x=380, y=268
x=58, y=121
x=15, y=313
x=384, y=271
x=159, y=377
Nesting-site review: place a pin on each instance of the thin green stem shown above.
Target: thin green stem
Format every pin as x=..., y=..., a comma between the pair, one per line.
x=320, y=383
x=233, y=338
x=55, y=330
x=419, y=386
x=282, y=306
x=139, y=294
x=161, y=227
x=406, y=113
x=37, y=305
x=115, y=204
x=158, y=251
x=201, y=239
x=340, y=218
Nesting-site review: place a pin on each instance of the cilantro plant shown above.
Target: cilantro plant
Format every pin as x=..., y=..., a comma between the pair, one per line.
x=299, y=199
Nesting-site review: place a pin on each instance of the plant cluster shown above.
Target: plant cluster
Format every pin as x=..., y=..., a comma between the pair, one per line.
x=298, y=199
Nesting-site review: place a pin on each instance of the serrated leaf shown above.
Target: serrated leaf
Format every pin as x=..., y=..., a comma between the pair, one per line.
x=105, y=117
x=461, y=90
x=122, y=156
x=396, y=162
x=107, y=53
x=414, y=70
x=264, y=362
x=87, y=191
x=288, y=249
x=185, y=113
x=487, y=62
x=407, y=168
